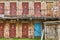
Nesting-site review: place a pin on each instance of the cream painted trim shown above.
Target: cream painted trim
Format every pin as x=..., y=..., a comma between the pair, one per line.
x=11, y=1
x=31, y=6
x=17, y=25
x=25, y=1
x=19, y=6
x=51, y=21
x=50, y=1
x=37, y=1
x=20, y=30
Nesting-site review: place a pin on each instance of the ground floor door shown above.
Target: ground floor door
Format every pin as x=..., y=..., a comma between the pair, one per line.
x=12, y=31
x=37, y=29
x=25, y=30
x=1, y=30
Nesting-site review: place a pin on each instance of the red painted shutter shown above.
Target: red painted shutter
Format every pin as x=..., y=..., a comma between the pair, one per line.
x=12, y=30
x=1, y=8
x=25, y=8
x=13, y=9
x=37, y=7
x=1, y=30
x=25, y=30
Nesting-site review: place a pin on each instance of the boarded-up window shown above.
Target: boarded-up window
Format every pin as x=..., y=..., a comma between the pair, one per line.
x=49, y=9
x=51, y=32
x=25, y=8
x=13, y=8
x=49, y=5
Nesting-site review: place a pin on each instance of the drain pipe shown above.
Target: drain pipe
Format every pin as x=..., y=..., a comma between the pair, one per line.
x=42, y=34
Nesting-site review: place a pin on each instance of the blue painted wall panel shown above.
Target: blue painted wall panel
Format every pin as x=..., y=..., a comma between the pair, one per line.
x=37, y=29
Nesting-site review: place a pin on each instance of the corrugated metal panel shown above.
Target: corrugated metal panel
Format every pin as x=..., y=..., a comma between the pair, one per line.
x=13, y=9
x=25, y=8
x=37, y=9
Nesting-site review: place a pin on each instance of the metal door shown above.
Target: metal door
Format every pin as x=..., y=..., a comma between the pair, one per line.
x=1, y=8
x=1, y=30
x=37, y=9
x=13, y=9
x=25, y=30
x=37, y=29
x=12, y=30
x=25, y=8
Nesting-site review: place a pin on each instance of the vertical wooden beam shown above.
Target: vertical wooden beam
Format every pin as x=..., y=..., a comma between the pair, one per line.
x=19, y=8
x=31, y=8
x=6, y=29
x=7, y=8
x=17, y=25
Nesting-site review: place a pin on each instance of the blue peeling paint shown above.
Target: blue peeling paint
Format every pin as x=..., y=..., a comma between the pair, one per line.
x=37, y=29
